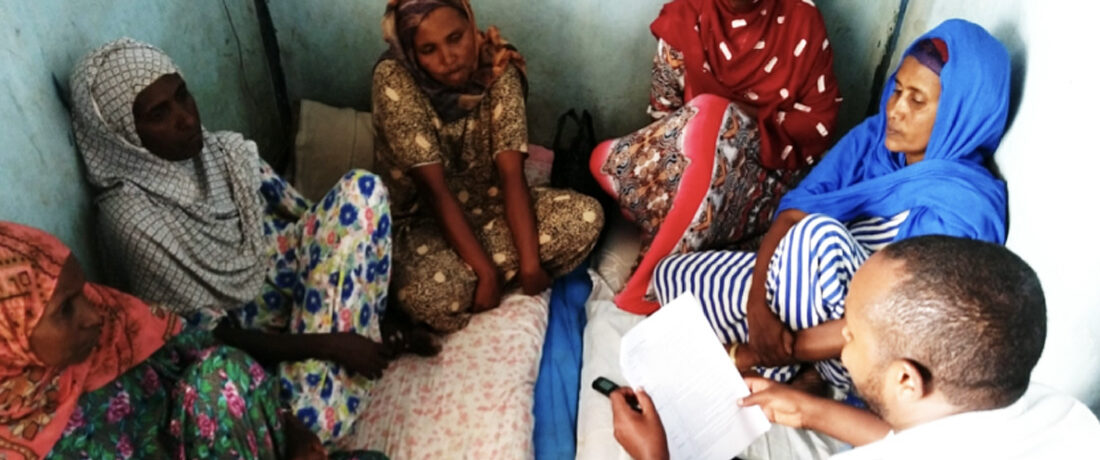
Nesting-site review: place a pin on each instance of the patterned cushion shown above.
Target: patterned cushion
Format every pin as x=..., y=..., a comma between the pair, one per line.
x=474, y=400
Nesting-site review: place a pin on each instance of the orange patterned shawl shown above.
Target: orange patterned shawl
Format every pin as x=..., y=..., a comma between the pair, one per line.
x=35, y=400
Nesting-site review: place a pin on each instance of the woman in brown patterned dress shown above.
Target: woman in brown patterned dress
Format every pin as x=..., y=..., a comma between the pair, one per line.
x=449, y=108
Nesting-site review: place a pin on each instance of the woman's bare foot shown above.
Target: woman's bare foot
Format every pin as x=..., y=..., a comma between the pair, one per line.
x=811, y=382
x=301, y=442
x=400, y=335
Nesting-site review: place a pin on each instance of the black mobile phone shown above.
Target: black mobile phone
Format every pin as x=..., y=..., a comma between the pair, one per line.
x=606, y=386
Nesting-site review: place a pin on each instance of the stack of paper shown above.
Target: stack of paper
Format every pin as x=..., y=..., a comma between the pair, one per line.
x=676, y=357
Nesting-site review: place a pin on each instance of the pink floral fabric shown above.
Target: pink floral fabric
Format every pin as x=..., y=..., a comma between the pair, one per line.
x=474, y=400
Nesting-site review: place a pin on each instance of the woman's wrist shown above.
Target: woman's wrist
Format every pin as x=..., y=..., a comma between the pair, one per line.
x=480, y=264
x=756, y=306
x=529, y=264
x=329, y=347
x=486, y=271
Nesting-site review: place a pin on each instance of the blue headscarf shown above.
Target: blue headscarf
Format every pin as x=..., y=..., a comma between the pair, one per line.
x=949, y=192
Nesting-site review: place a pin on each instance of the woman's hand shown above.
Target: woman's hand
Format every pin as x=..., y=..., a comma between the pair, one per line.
x=534, y=280
x=769, y=338
x=358, y=354
x=640, y=433
x=781, y=403
x=487, y=293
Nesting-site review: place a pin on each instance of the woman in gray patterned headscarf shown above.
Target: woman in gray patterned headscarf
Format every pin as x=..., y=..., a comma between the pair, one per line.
x=198, y=222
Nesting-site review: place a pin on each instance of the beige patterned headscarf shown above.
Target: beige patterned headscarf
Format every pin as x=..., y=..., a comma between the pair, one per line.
x=495, y=55
x=186, y=234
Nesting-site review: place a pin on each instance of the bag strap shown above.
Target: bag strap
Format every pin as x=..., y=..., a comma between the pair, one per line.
x=562, y=119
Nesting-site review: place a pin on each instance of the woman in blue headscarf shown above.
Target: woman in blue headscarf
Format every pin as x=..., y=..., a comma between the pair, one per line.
x=915, y=168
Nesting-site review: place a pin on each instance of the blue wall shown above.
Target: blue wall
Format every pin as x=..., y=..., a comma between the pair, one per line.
x=40, y=172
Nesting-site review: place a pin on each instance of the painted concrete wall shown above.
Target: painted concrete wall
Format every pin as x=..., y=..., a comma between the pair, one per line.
x=583, y=53
x=593, y=54
x=860, y=31
x=1050, y=163
x=41, y=174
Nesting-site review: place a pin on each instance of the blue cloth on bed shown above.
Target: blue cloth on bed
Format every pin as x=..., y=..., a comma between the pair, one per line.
x=558, y=387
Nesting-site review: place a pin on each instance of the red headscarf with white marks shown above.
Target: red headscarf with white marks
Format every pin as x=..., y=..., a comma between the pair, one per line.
x=775, y=57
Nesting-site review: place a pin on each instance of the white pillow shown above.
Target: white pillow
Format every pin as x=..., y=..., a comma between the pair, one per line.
x=617, y=256
x=329, y=142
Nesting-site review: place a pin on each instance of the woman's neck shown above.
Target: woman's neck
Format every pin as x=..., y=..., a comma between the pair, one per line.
x=912, y=158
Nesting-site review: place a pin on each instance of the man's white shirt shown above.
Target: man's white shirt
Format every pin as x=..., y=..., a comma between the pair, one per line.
x=1042, y=424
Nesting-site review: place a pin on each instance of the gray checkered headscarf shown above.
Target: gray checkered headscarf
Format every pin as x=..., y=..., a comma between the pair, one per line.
x=185, y=234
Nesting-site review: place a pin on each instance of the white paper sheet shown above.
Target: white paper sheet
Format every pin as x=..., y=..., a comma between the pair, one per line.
x=677, y=358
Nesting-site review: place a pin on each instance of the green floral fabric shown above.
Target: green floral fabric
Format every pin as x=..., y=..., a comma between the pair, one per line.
x=193, y=399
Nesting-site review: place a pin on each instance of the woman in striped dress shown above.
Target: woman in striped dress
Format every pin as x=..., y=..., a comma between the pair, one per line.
x=916, y=168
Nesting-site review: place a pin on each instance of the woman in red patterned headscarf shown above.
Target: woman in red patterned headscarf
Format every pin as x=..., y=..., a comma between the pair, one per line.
x=771, y=57
x=752, y=82
x=89, y=372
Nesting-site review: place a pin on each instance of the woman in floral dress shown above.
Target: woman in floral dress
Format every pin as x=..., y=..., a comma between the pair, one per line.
x=198, y=222
x=89, y=372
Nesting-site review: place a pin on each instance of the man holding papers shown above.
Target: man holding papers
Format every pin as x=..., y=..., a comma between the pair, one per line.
x=941, y=337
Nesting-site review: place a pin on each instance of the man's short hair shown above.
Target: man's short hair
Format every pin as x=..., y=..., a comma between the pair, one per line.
x=971, y=313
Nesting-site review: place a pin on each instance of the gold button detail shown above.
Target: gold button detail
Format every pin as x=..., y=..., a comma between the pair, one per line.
x=544, y=238
x=499, y=258
x=396, y=173
x=455, y=306
x=440, y=277
x=478, y=211
x=589, y=216
x=511, y=274
x=423, y=249
x=493, y=191
x=463, y=196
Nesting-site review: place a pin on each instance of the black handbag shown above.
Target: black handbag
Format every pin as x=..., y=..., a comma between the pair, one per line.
x=573, y=143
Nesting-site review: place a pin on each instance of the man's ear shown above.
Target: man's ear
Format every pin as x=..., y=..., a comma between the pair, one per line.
x=908, y=381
